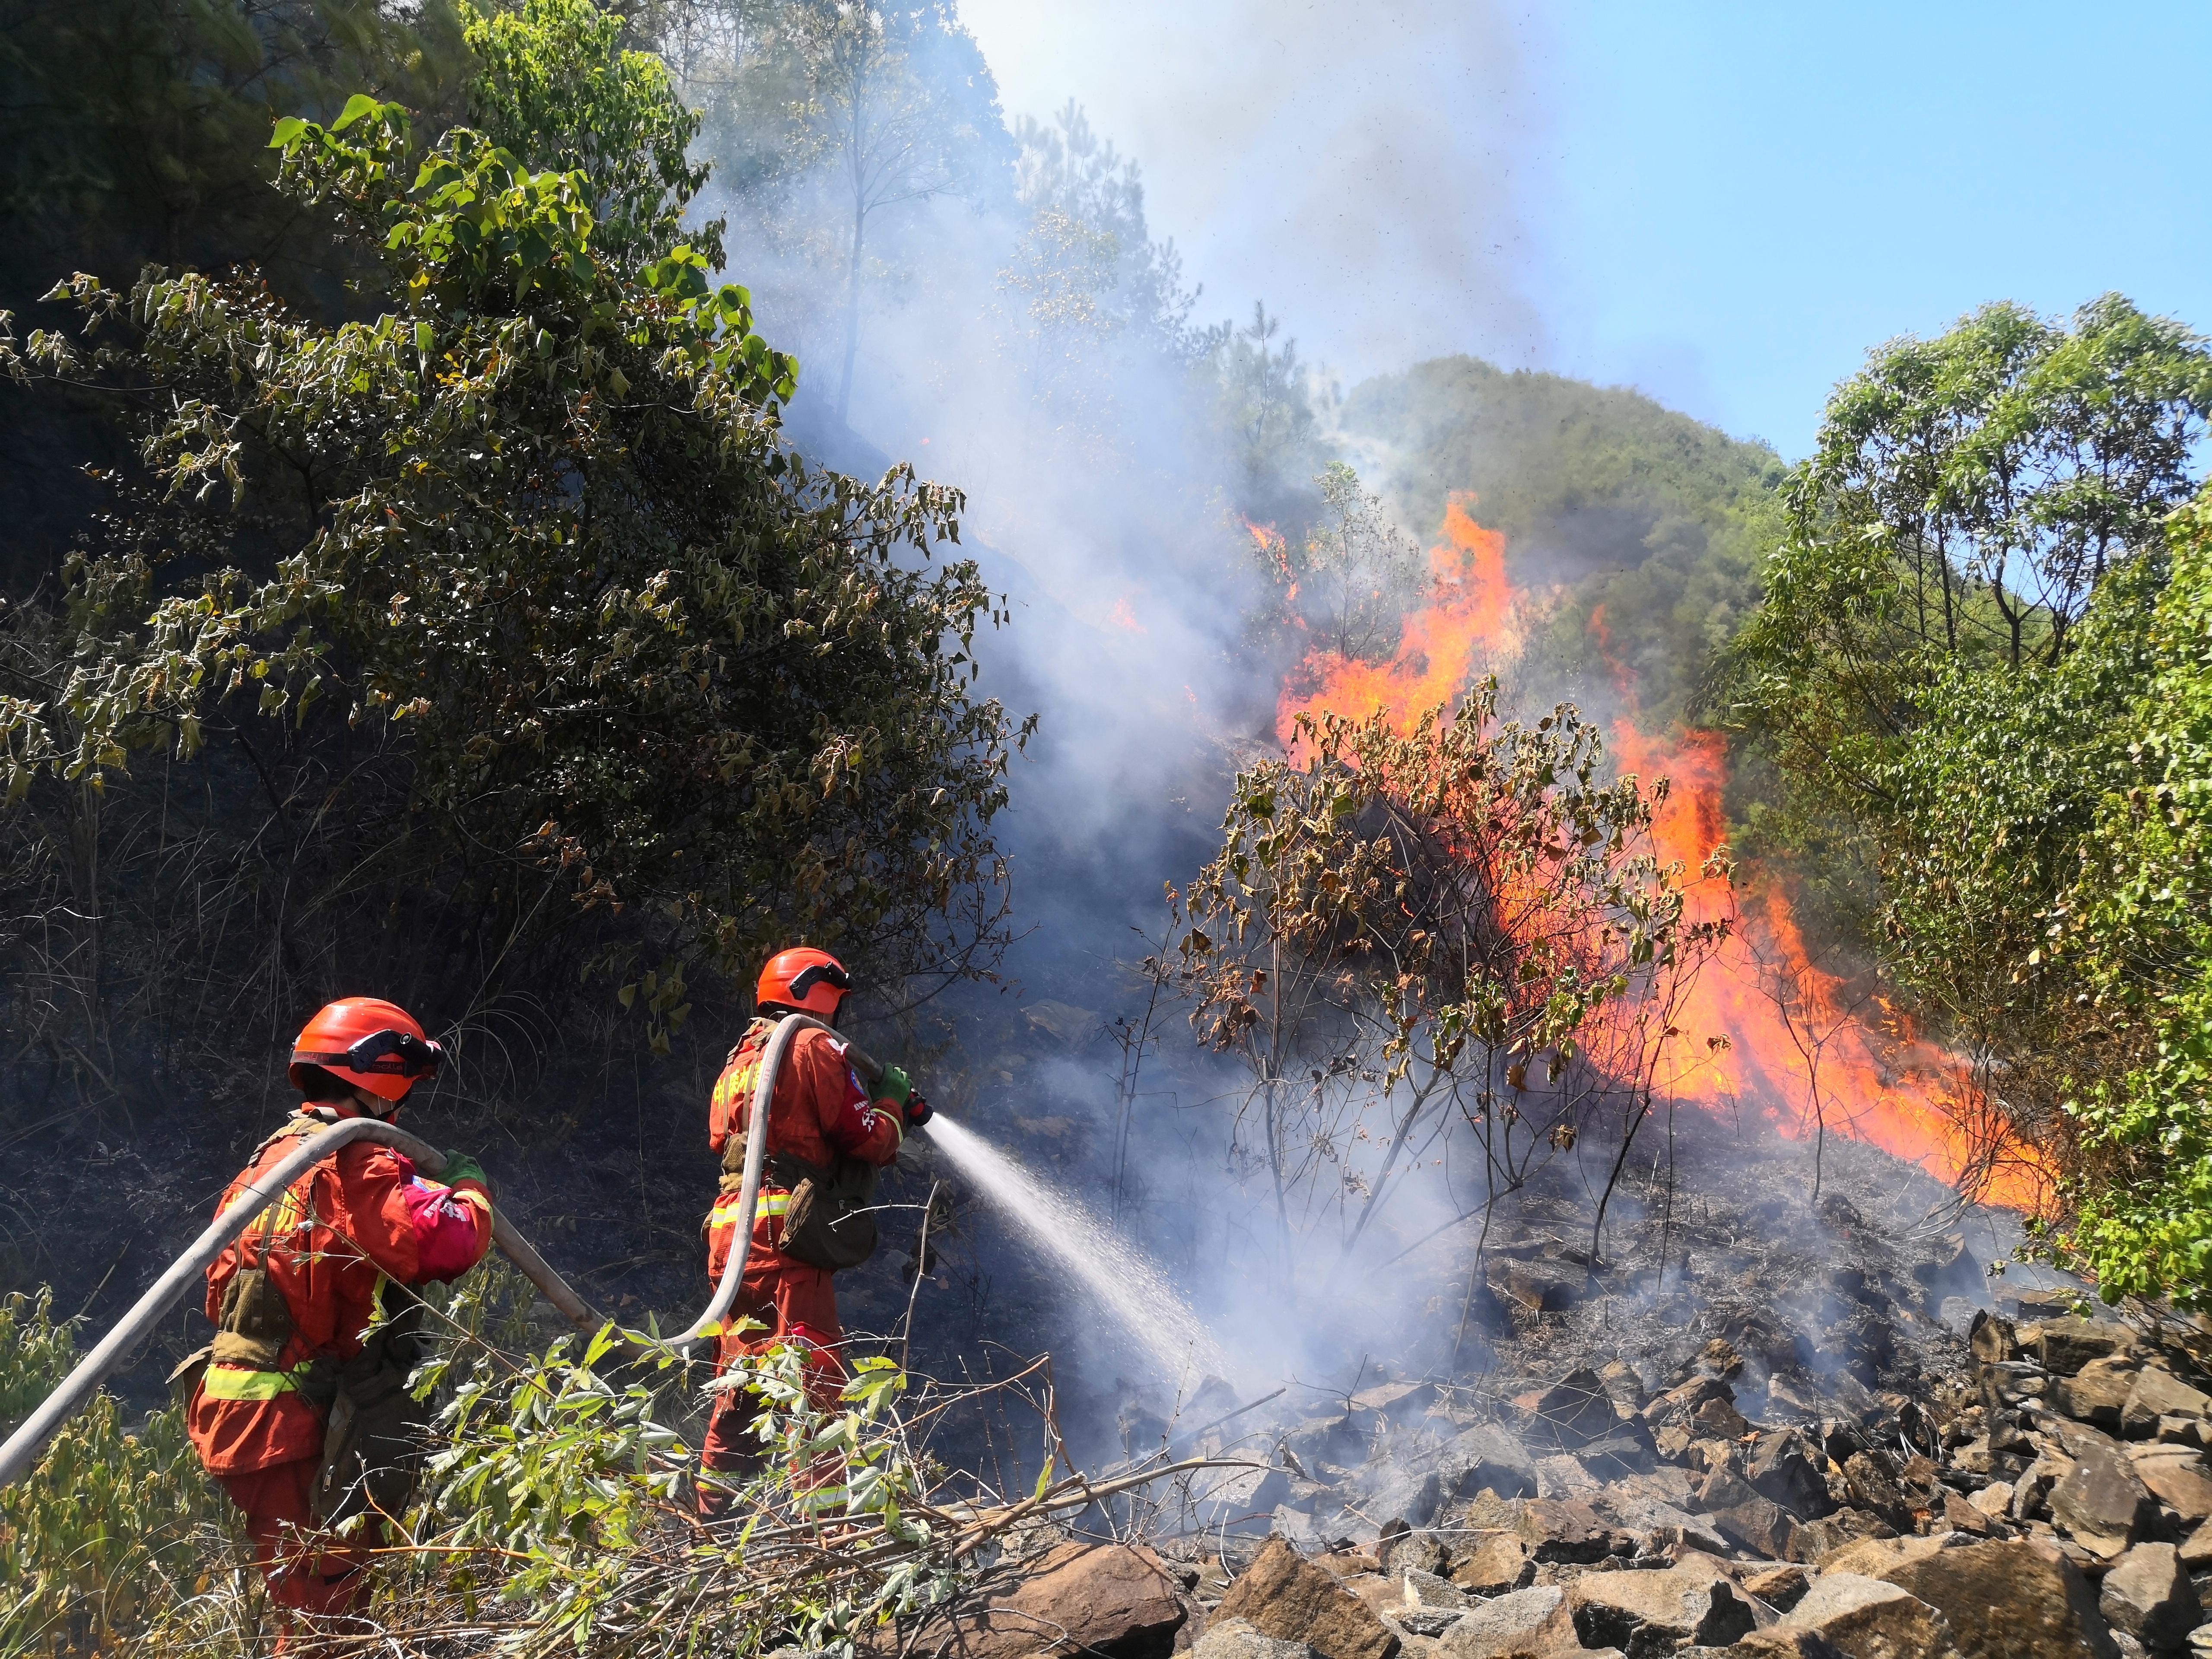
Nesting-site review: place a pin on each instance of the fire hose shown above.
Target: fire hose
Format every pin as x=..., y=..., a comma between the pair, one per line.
x=20, y=1453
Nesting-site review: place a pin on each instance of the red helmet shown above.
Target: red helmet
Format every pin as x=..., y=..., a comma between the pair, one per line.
x=368, y=1042
x=813, y=981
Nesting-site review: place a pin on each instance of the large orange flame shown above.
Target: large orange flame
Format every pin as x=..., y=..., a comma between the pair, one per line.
x=1468, y=617
x=1765, y=1026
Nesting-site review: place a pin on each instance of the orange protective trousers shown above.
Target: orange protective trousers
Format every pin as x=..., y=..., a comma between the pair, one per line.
x=797, y=1304
x=305, y=1574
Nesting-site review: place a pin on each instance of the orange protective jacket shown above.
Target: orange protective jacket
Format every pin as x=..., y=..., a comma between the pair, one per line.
x=819, y=1114
x=352, y=1223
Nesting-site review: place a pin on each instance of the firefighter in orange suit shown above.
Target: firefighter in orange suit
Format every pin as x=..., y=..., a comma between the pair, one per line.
x=302, y=1410
x=819, y=1115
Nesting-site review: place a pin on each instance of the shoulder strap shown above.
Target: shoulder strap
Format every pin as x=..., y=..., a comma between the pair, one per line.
x=297, y=1126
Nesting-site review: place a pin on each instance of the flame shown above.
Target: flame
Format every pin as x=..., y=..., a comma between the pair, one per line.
x=1123, y=617
x=1764, y=1025
x=1468, y=618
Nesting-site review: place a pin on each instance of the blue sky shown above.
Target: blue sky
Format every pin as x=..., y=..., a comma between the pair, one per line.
x=1723, y=204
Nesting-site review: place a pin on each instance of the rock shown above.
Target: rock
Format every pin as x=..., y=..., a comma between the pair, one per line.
x=2096, y=1393
x=1411, y=1496
x=1238, y=1638
x=1326, y=1440
x=1780, y=1642
x=1781, y=1588
x=1485, y=1457
x=1625, y=1386
x=1871, y=1477
x=1561, y=1475
x=1499, y=1563
x=1994, y=1500
x=1867, y=1619
x=1426, y=1589
x=1116, y=1600
x=2157, y=1394
x=1293, y=1600
x=2148, y=1594
x=1721, y=1420
x=1393, y=1402
x=1533, y=1621
x=2196, y=1549
x=1648, y=1613
x=1961, y=1516
x=2064, y=1347
x=1570, y=1413
x=1564, y=1530
x=1762, y=1526
x=1992, y=1338
x=2177, y=1477
x=1424, y=1550
x=2008, y=1600
x=1781, y=1469
x=1536, y=1286
x=1816, y=1540
x=2102, y=1503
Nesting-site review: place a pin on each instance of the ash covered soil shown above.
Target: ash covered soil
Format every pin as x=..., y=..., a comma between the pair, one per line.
x=1758, y=1423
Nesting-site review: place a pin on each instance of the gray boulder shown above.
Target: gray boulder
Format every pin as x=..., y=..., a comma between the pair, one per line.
x=2103, y=1503
x=1485, y=1457
x=1238, y=1638
x=1648, y=1613
x=1530, y=1621
x=1866, y=1619
x=2147, y=1595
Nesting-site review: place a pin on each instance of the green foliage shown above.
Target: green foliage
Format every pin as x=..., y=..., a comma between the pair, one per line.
x=1345, y=585
x=554, y=86
x=516, y=581
x=1638, y=531
x=1974, y=669
x=837, y=122
x=1467, y=913
x=1261, y=403
x=2136, y=927
x=108, y=1529
x=132, y=128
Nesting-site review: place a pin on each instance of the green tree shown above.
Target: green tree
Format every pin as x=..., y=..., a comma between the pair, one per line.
x=506, y=607
x=839, y=120
x=1346, y=585
x=2136, y=927
x=1466, y=914
x=1948, y=670
x=1263, y=408
x=131, y=131
x=553, y=84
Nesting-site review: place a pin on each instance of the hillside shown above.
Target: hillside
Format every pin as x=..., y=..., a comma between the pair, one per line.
x=1623, y=503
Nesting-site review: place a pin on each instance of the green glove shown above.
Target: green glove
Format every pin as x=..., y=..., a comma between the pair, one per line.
x=894, y=1085
x=460, y=1167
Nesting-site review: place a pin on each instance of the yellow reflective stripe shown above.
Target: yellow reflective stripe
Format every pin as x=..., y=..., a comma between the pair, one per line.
x=232, y=1383
x=773, y=1203
x=898, y=1121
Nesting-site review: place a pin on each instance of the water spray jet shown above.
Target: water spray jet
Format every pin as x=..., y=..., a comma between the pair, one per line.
x=1120, y=1277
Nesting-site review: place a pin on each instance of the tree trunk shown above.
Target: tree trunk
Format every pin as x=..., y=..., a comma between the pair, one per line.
x=852, y=313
